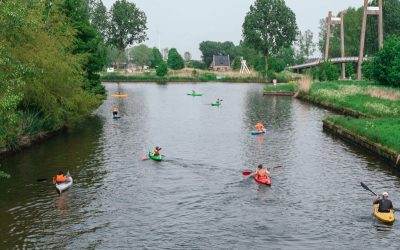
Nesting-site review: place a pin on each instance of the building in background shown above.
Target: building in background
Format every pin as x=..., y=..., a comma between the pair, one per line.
x=221, y=63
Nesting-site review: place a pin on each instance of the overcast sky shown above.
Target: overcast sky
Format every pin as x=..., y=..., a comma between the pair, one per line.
x=184, y=24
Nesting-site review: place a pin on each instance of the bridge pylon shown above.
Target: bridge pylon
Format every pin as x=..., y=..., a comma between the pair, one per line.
x=369, y=10
x=331, y=21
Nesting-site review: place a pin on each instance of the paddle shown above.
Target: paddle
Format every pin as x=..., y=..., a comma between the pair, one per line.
x=246, y=173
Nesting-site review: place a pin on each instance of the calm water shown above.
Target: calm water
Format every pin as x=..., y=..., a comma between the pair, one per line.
x=197, y=198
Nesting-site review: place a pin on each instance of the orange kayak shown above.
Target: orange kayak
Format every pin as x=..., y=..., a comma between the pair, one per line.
x=264, y=180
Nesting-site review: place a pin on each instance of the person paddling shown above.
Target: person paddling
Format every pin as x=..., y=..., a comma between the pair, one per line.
x=260, y=127
x=218, y=101
x=193, y=92
x=157, y=151
x=60, y=178
x=115, y=111
x=384, y=203
x=261, y=172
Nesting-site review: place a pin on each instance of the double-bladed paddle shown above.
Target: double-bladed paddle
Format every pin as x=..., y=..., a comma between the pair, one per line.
x=368, y=189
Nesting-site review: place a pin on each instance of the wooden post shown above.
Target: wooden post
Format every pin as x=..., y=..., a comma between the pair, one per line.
x=328, y=34
x=342, y=43
x=380, y=24
x=362, y=41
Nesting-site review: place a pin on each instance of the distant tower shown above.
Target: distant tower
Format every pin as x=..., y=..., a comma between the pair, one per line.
x=243, y=67
x=164, y=53
x=369, y=10
x=331, y=21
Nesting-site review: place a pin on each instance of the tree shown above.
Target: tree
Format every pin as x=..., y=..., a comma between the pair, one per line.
x=211, y=48
x=99, y=17
x=386, y=63
x=269, y=26
x=127, y=25
x=175, y=60
x=162, y=69
x=141, y=55
x=156, y=58
x=187, y=56
x=305, y=46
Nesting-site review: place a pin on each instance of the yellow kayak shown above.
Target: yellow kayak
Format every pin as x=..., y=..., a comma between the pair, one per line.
x=119, y=95
x=384, y=217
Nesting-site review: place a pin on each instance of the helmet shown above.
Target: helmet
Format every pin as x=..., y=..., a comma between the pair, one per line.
x=385, y=194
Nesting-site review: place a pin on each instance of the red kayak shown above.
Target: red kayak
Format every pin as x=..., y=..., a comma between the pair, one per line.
x=263, y=180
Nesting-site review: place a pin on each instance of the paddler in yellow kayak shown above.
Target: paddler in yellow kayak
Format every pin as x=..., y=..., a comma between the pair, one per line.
x=384, y=203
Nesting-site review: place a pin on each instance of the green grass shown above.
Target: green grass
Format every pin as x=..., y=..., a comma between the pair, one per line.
x=283, y=87
x=385, y=131
x=363, y=97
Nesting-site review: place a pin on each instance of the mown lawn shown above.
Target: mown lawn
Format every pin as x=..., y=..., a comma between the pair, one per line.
x=282, y=87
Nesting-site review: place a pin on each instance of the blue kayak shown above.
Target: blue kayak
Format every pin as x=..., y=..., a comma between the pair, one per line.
x=258, y=132
x=116, y=117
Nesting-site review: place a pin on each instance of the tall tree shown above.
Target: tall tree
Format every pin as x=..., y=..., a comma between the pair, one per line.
x=175, y=60
x=269, y=26
x=211, y=48
x=305, y=46
x=187, y=56
x=156, y=58
x=141, y=55
x=127, y=25
x=99, y=16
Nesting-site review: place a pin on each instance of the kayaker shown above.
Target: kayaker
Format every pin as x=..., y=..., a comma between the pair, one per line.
x=115, y=111
x=261, y=172
x=193, y=92
x=260, y=127
x=384, y=203
x=60, y=178
x=157, y=151
x=218, y=101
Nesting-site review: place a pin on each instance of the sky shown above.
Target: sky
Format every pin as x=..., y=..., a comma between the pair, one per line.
x=184, y=24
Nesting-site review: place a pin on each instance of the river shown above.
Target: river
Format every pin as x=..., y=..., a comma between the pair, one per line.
x=197, y=198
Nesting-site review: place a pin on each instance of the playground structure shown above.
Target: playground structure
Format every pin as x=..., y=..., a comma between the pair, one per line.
x=368, y=10
x=243, y=68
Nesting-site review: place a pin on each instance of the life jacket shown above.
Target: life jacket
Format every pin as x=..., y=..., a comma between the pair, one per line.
x=259, y=127
x=60, y=178
x=261, y=173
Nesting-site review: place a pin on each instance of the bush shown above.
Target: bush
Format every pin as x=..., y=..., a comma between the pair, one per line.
x=386, y=63
x=196, y=65
x=162, y=69
x=328, y=72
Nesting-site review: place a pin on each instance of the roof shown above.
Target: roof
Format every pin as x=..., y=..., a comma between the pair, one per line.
x=221, y=61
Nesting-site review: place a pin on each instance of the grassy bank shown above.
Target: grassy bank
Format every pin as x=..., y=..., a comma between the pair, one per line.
x=364, y=97
x=184, y=75
x=281, y=87
x=379, y=103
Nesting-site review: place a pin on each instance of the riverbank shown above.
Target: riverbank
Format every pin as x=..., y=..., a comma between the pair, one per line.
x=372, y=114
x=184, y=75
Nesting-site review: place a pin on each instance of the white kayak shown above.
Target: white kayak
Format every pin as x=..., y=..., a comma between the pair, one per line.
x=61, y=187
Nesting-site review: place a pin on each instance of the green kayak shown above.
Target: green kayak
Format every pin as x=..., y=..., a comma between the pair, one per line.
x=215, y=104
x=195, y=94
x=156, y=158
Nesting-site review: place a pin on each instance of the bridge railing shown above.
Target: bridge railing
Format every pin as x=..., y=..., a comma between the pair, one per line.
x=336, y=60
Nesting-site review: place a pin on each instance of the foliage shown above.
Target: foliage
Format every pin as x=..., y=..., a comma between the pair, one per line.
x=269, y=26
x=305, y=45
x=196, y=64
x=327, y=71
x=156, y=58
x=187, y=56
x=127, y=25
x=141, y=55
x=175, y=60
x=88, y=41
x=211, y=48
x=99, y=17
x=236, y=64
x=43, y=64
x=162, y=69
x=386, y=63
x=384, y=131
x=4, y=175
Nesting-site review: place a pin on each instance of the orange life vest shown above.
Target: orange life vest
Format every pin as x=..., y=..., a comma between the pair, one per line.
x=262, y=173
x=60, y=178
x=259, y=127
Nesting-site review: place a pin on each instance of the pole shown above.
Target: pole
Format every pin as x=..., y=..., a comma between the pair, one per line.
x=328, y=34
x=362, y=41
x=342, y=44
x=380, y=23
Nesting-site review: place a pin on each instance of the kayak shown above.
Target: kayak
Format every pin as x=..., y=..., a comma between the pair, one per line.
x=156, y=158
x=119, y=95
x=215, y=104
x=258, y=132
x=384, y=217
x=266, y=180
x=195, y=94
x=116, y=117
x=64, y=185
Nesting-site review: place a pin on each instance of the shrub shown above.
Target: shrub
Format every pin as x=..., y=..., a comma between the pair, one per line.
x=328, y=72
x=162, y=69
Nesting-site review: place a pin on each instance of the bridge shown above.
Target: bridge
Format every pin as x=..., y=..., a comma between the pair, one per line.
x=318, y=61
